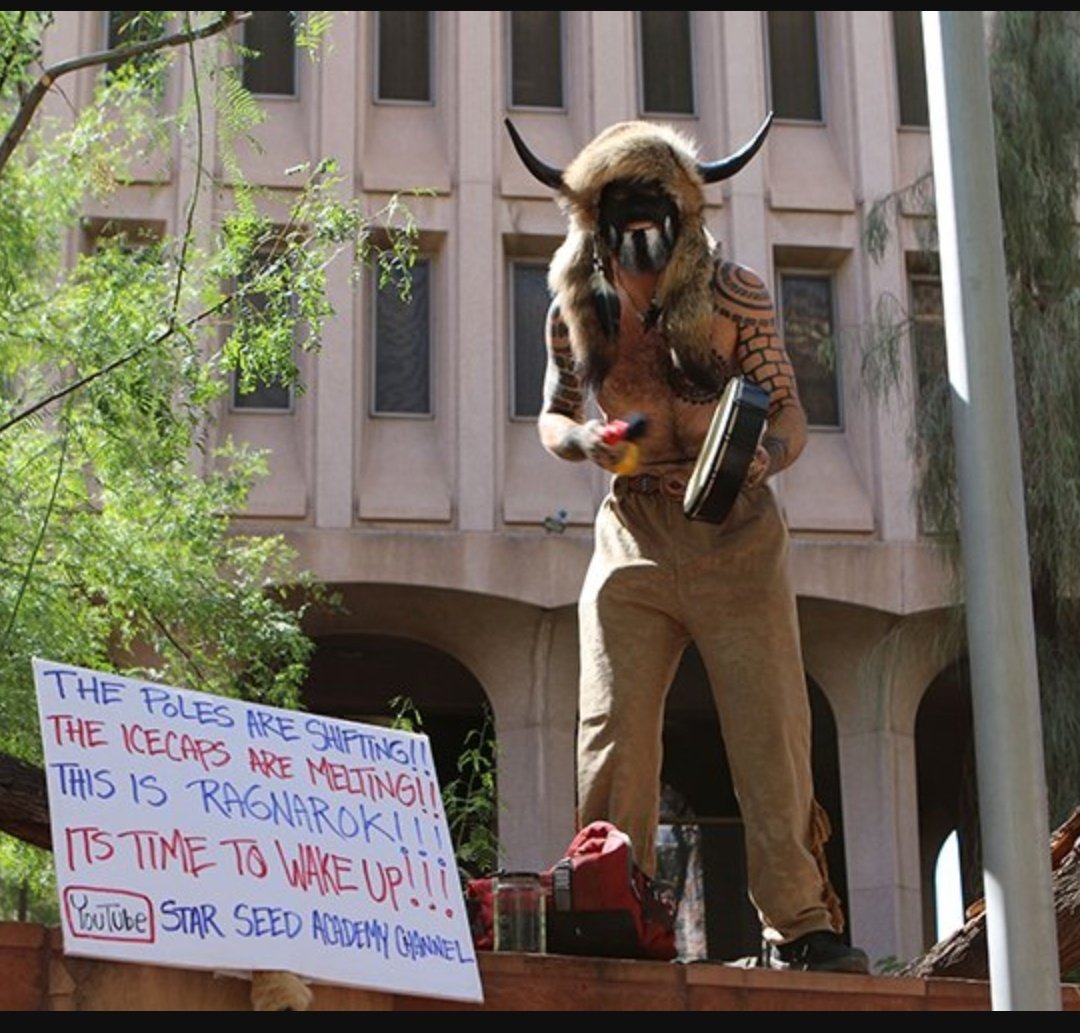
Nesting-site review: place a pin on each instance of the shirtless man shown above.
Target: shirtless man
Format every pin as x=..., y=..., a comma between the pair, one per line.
x=647, y=317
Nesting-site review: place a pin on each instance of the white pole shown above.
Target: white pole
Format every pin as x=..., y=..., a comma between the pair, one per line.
x=1020, y=920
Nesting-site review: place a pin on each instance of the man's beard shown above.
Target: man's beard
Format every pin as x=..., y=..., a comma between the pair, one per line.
x=646, y=250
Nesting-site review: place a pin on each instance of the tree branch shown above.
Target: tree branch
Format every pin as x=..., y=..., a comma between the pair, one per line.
x=36, y=94
x=127, y=357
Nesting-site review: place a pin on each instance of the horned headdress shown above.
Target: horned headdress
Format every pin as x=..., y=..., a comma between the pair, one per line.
x=645, y=154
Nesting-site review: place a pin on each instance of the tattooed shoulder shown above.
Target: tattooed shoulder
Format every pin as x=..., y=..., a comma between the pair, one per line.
x=741, y=294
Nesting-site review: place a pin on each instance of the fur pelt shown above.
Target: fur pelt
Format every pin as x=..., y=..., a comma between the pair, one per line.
x=641, y=151
x=279, y=991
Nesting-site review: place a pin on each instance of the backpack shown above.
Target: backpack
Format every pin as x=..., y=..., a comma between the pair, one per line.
x=598, y=902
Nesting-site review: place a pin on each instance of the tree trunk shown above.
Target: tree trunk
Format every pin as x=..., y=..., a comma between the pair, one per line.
x=24, y=802
x=964, y=955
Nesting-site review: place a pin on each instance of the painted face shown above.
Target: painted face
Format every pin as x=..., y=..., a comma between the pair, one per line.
x=639, y=222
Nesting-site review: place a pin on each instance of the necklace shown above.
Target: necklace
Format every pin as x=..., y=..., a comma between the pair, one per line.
x=651, y=316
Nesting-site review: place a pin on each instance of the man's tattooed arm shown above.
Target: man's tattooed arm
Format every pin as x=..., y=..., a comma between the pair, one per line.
x=761, y=357
x=563, y=411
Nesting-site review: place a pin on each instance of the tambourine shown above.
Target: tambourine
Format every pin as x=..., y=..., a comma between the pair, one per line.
x=734, y=435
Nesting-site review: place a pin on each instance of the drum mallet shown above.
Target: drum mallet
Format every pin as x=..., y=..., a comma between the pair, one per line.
x=627, y=430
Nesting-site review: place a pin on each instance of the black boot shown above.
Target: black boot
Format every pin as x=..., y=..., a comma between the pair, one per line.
x=819, y=951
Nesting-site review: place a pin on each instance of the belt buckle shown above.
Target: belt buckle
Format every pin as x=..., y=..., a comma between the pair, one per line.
x=673, y=486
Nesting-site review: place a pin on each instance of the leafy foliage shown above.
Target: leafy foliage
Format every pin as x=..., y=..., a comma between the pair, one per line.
x=1034, y=61
x=28, y=887
x=117, y=490
x=469, y=799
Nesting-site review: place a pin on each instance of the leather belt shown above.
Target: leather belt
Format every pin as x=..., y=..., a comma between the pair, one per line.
x=671, y=485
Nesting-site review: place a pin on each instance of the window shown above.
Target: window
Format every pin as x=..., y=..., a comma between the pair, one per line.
x=402, y=347
x=528, y=355
x=134, y=237
x=266, y=395
x=910, y=68
x=806, y=302
x=270, y=58
x=667, y=62
x=403, y=56
x=935, y=447
x=928, y=336
x=263, y=397
x=536, y=59
x=794, y=74
x=127, y=27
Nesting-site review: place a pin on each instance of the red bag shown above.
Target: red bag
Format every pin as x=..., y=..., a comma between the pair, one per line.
x=598, y=902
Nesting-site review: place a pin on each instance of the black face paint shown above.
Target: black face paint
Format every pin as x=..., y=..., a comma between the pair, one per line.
x=628, y=201
x=644, y=250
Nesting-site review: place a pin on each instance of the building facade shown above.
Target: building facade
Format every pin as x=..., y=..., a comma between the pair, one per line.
x=409, y=474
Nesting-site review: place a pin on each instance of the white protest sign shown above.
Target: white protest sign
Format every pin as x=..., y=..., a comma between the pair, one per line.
x=210, y=833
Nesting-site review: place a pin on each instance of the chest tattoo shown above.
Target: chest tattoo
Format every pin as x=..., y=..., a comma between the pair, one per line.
x=698, y=386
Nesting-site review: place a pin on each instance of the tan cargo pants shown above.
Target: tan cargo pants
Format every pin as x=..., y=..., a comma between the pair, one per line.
x=656, y=581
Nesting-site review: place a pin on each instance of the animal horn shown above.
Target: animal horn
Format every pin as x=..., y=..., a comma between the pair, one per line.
x=714, y=171
x=547, y=174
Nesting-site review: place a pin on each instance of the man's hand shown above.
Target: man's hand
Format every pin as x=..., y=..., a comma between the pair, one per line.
x=594, y=440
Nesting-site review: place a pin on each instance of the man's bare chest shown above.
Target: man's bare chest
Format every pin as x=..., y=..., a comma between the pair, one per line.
x=645, y=377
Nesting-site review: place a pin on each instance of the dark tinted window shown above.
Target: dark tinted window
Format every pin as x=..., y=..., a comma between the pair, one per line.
x=403, y=347
x=536, y=61
x=667, y=62
x=529, y=357
x=910, y=68
x=404, y=55
x=270, y=64
x=807, y=312
x=794, y=75
x=263, y=395
x=127, y=27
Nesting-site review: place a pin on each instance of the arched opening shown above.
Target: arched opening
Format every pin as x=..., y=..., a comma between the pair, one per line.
x=948, y=890
x=695, y=767
x=358, y=676
x=945, y=774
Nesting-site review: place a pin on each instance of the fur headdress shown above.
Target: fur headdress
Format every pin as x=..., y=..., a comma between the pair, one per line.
x=580, y=271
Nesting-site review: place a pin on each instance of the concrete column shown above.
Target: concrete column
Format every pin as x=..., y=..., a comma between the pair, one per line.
x=337, y=111
x=874, y=679
x=743, y=42
x=476, y=273
x=612, y=68
x=877, y=171
x=533, y=689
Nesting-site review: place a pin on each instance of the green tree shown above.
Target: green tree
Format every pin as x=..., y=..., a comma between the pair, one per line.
x=470, y=798
x=116, y=545
x=1034, y=59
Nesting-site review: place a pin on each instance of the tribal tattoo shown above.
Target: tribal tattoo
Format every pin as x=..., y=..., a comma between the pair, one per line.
x=563, y=389
x=743, y=298
x=699, y=387
x=759, y=352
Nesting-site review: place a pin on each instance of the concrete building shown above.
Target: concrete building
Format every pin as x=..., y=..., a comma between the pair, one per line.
x=409, y=474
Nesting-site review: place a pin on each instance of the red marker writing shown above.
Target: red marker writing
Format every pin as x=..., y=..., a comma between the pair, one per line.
x=627, y=430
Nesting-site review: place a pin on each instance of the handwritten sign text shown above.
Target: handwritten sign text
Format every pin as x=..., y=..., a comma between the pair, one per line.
x=205, y=832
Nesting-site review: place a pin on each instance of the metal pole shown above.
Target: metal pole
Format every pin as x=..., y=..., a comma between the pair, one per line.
x=1020, y=920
